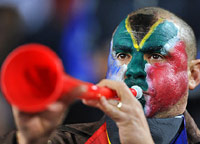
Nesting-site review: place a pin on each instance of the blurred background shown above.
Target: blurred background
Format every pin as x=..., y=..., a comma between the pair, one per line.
x=79, y=31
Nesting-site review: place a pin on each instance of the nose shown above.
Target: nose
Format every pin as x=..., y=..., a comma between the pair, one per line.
x=136, y=67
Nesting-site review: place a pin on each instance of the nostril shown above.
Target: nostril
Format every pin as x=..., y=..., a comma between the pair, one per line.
x=128, y=75
x=140, y=77
x=136, y=74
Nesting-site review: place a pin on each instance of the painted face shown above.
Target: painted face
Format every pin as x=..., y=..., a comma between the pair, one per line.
x=148, y=52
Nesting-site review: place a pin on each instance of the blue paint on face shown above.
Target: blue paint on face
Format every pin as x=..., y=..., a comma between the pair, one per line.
x=114, y=68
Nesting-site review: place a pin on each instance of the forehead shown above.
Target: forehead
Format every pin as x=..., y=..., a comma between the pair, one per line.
x=142, y=32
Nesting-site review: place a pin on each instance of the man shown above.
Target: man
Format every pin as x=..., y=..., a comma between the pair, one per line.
x=151, y=48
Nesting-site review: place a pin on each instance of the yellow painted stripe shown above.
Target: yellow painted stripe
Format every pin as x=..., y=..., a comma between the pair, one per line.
x=150, y=32
x=108, y=138
x=135, y=44
x=128, y=28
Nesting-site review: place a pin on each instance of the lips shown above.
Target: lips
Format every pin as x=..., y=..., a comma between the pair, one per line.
x=142, y=84
x=145, y=93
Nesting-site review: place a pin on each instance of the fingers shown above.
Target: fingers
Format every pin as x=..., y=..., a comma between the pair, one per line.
x=122, y=91
x=112, y=110
x=129, y=107
x=93, y=103
x=121, y=88
x=109, y=108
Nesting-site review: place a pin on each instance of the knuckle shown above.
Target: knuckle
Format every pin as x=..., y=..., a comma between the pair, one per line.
x=138, y=110
x=102, y=82
x=121, y=84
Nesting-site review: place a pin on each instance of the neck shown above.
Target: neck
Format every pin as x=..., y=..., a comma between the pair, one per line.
x=174, y=110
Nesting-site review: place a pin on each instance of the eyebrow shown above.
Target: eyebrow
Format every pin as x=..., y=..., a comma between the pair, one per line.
x=122, y=48
x=152, y=49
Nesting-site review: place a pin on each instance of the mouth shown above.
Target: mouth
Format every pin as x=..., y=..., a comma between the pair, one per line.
x=145, y=93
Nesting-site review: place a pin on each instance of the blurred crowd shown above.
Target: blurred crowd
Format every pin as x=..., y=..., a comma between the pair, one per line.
x=79, y=31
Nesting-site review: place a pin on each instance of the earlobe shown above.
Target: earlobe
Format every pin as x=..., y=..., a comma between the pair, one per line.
x=194, y=77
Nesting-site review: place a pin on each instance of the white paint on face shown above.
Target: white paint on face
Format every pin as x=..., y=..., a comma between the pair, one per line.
x=116, y=71
x=119, y=75
x=147, y=108
x=147, y=65
x=169, y=45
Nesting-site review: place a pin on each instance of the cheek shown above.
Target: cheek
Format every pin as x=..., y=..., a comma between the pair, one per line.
x=167, y=87
x=167, y=82
x=115, y=70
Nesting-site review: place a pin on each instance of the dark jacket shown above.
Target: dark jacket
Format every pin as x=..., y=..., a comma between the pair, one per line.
x=164, y=131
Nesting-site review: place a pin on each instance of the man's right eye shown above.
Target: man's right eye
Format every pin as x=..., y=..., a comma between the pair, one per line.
x=123, y=56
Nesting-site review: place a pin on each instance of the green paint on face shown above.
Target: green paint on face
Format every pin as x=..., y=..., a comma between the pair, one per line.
x=122, y=37
x=163, y=33
x=135, y=73
x=122, y=42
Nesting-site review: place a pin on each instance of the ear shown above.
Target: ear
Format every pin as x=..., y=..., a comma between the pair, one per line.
x=194, y=76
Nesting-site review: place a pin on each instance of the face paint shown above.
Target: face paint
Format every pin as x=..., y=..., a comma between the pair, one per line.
x=167, y=81
x=119, y=70
x=116, y=70
x=151, y=57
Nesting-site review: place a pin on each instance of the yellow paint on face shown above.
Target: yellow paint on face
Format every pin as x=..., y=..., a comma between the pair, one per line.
x=128, y=28
x=135, y=44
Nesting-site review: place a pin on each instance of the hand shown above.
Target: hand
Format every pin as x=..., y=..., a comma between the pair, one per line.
x=130, y=118
x=36, y=128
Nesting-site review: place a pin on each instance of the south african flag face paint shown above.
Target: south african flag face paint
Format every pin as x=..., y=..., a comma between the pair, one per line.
x=147, y=51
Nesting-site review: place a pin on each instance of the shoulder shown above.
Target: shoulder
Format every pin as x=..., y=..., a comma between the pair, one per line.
x=75, y=133
x=70, y=134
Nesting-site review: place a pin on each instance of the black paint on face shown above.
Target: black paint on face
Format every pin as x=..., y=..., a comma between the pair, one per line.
x=141, y=24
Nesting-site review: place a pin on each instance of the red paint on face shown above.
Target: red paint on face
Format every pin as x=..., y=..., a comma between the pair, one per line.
x=168, y=80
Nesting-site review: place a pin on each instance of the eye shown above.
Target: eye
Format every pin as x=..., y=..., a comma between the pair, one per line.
x=122, y=56
x=156, y=56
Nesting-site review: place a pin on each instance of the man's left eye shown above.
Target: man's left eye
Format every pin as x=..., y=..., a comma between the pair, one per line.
x=156, y=57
